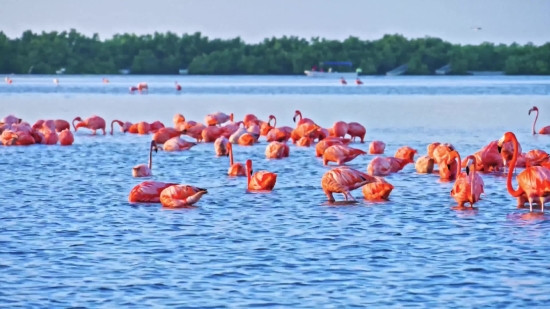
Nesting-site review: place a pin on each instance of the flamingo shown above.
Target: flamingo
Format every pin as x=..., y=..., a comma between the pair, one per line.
x=56, y=81
x=384, y=166
x=440, y=155
x=431, y=148
x=341, y=154
x=424, y=165
x=535, y=157
x=340, y=129
x=358, y=81
x=247, y=139
x=234, y=138
x=178, y=87
x=378, y=190
x=276, y=150
x=162, y=135
x=304, y=141
x=93, y=123
x=327, y=142
x=343, y=180
x=105, y=81
x=143, y=170
x=142, y=86
x=61, y=125
x=301, y=120
x=261, y=181
x=66, y=138
x=181, y=196
x=148, y=192
x=545, y=130
x=220, y=146
x=177, y=144
x=406, y=152
x=195, y=132
x=235, y=169
x=377, y=147
x=217, y=118
x=133, y=88
x=533, y=181
x=343, y=81
x=468, y=186
x=8, y=80
x=143, y=128
x=178, y=118
x=357, y=130
x=249, y=118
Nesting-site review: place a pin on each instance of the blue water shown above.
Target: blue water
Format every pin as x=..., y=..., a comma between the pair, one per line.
x=289, y=85
x=69, y=238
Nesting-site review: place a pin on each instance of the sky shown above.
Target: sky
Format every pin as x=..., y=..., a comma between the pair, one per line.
x=502, y=21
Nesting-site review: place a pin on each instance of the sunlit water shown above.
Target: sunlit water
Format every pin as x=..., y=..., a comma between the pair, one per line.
x=69, y=237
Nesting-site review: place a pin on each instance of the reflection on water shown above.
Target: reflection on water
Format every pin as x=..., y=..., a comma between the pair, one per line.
x=70, y=238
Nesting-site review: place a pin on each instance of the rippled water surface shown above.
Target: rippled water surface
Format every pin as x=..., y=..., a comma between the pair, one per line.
x=69, y=237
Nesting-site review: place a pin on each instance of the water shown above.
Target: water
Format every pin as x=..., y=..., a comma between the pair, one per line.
x=69, y=237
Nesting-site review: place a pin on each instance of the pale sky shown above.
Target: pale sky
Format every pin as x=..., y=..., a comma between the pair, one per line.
x=503, y=21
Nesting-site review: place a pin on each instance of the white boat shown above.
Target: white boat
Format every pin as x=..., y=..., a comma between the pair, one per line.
x=346, y=75
x=124, y=71
x=61, y=71
x=184, y=72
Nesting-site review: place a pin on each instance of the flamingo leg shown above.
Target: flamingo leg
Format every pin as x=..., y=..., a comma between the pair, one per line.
x=93, y=132
x=541, y=203
x=530, y=204
x=329, y=196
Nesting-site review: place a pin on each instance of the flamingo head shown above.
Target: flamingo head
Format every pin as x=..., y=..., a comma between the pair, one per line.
x=471, y=160
x=231, y=117
x=229, y=149
x=505, y=138
x=154, y=146
x=296, y=113
x=534, y=108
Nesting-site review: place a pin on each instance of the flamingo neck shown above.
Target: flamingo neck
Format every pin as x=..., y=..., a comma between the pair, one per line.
x=150, y=157
x=274, y=122
x=473, y=181
x=511, y=168
x=230, y=156
x=81, y=124
x=300, y=114
x=534, y=122
x=112, y=125
x=74, y=127
x=248, y=176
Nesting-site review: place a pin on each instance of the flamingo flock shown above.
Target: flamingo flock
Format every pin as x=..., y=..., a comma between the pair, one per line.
x=332, y=146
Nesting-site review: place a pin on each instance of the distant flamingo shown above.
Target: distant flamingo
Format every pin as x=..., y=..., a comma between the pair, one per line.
x=181, y=196
x=177, y=144
x=178, y=87
x=142, y=86
x=66, y=138
x=342, y=180
x=261, y=181
x=148, y=192
x=61, y=125
x=162, y=135
x=220, y=146
x=247, y=139
x=105, y=81
x=327, y=142
x=534, y=181
x=424, y=165
x=545, y=130
x=8, y=80
x=234, y=138
x=211, y=133
x=281, y=134
x=143, y=128
x=56, y=81
x=377, y=147
x=468, y=186
x=235, y=169
x=304, y=141
x=534, y=157
x=358, y=81
x=343, y=81
x=276, y=150
x=133, y=88
x=441, y=155
x=93, y=123
x=378, y=190
x=341, y=154
x=156, y=125
x=195, y=132
x=249, y=118
x=143, y=170
x=357, y=130
x=431, y=147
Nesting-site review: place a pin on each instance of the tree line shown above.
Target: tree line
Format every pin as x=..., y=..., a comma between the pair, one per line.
x=167, y=53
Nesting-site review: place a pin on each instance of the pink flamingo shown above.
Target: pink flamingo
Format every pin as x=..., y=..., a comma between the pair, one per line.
x=545, y=130
x=143, y=170
x=93, y=123
x=466, y=189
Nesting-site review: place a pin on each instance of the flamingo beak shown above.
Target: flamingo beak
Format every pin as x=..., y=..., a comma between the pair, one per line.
x=499, y=148
x=449, y=166
x=294, y=118
x=468, y=170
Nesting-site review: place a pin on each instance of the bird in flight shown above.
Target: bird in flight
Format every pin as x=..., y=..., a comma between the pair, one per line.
x=476, y=28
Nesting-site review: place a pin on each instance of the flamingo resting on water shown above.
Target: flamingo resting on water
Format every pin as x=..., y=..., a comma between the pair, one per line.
x=181, y=196
x=148, y=192
x=262, y=181
x=143, y=170
x=533, y=181
x=235, y=169
x=545, y=130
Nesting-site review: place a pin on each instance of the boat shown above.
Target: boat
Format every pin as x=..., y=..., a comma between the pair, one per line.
x=486, y=73
x=60, y=71
x=124, y=71
x=184, y=72
x=332, y=74
x=443, y=70
x=398, y=71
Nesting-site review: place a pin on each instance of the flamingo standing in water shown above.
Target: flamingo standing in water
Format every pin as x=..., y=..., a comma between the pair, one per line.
x=468, y=186
x=545, y=130
x=424, y=165
x=143, y=170
x=357, y=130
x=235, y=169
x=324, y=144
x=178, y=87
x=343, y=180
x=339, y=129
x=148, y=192
x=181, y=196
x=534, y=181
x=261, y=181
x=66, y=138
x=406, y=152
x=358, y=81
x=93, y=123
x=105, y=81
x=8, y=80
x=56, y=81
x=384, y=166
x=378, y=190
x=301, y=120
x=124, y=126
x=343, y=81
